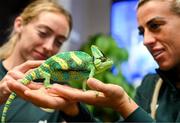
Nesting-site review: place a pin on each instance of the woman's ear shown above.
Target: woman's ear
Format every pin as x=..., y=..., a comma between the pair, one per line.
x=18, y=24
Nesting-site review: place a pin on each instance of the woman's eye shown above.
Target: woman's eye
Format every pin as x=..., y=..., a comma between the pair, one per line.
x=141, y=31
x=154, y=26
x=59, y=42
x=42, y=34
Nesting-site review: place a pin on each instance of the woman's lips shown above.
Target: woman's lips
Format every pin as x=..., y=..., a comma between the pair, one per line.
x=40, y=56
x=157, y=53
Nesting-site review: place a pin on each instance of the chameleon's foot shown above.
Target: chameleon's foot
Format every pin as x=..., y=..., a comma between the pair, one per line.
x=48, y=86
x=96, y=94
x=84, y=86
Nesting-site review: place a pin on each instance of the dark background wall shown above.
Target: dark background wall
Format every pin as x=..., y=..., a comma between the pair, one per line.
x=9, y=9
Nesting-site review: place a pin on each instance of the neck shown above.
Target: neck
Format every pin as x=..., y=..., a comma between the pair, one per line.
x=174, y=74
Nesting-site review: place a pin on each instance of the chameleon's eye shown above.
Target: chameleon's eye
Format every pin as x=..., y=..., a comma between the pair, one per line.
x=103, y=59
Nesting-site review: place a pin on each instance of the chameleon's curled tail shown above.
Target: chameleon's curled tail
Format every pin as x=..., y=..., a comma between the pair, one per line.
x=27, y=79
x=6, y=107
x=12, y=96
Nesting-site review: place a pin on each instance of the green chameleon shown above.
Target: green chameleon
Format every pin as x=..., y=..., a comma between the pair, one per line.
x=64, y=67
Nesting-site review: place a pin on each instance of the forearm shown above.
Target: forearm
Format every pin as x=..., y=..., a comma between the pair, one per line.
x=131, y=112
x=126, y=107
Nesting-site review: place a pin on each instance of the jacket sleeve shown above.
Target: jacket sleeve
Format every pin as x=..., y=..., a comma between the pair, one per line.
x=143, y=99
x=139, y=115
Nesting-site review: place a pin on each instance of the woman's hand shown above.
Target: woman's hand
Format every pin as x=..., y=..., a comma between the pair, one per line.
x=13, y=76
x=108, y=95
x=40, y=96
x=64, y=98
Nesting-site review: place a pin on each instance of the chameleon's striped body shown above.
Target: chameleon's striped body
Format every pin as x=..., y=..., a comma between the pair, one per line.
x=62, y=67
x=66, y=66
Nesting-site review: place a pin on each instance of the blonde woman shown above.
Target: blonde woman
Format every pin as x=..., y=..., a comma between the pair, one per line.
x=38, y=33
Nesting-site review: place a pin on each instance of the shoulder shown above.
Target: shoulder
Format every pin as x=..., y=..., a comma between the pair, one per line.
x=148, y=82
x=145, y=91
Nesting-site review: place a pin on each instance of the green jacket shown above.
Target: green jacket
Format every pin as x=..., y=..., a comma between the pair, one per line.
x=168, y=104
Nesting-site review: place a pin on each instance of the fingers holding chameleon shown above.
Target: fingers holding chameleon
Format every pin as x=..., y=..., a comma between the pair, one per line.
x=100, y=94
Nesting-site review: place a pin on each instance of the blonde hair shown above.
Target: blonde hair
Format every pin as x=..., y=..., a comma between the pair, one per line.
x=28, y=14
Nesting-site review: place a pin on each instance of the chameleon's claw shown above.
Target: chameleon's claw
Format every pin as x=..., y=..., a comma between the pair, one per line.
x=84, y=86
x=48, y=86
x=96, y=94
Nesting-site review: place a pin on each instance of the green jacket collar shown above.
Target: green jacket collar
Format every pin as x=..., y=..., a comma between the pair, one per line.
x=168, y=77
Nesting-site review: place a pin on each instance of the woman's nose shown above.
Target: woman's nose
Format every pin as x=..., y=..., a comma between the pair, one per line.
x=48, y=45
x=149, y=39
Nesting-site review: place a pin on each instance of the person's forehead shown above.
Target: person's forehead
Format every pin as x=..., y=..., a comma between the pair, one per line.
x=50, y=17
x=55, y=21
x=153, y=9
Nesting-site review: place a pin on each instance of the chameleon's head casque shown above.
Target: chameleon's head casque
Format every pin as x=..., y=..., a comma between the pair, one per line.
x=101, y=62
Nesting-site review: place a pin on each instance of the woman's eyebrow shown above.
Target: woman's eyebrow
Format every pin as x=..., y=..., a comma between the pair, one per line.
x=50, y=30
x=45, y=27
x=154, y=19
